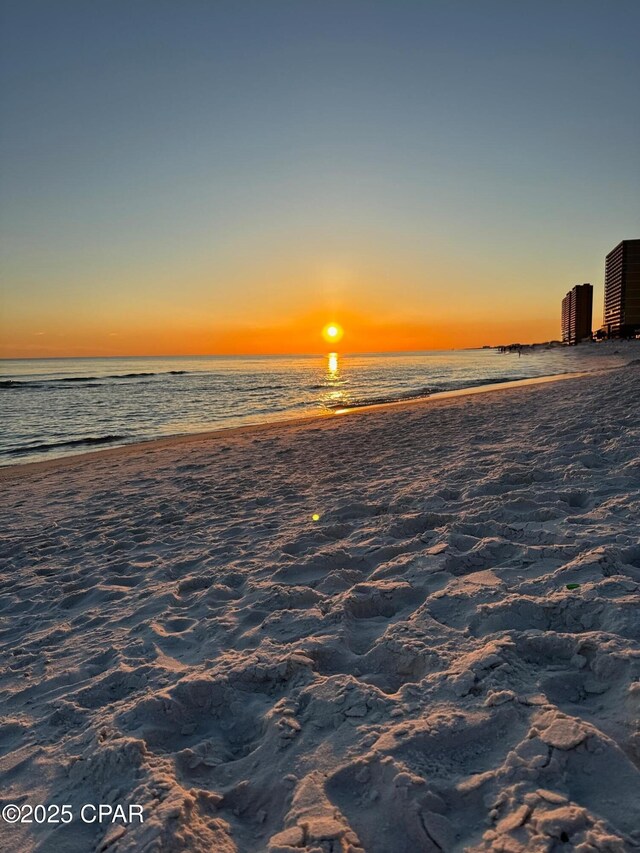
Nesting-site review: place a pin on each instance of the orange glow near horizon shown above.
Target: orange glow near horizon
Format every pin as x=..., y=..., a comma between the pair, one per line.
x=293, y=336
x=294, y=301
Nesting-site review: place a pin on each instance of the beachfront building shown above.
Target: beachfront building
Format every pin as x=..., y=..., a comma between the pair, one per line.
x=576, y=314
x=622, y=290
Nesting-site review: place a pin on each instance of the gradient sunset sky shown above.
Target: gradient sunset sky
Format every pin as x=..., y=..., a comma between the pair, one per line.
x=194, y=177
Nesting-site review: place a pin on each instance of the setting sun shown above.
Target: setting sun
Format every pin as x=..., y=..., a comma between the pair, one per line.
x=332, y=332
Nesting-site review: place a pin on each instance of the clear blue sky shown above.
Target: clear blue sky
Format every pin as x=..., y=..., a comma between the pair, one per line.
x=203, y=169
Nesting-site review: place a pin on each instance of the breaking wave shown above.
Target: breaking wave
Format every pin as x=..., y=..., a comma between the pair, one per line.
x=45, y=447
x=36, y=383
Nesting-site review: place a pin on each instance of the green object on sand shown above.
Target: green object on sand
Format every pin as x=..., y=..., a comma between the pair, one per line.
x=573, y=586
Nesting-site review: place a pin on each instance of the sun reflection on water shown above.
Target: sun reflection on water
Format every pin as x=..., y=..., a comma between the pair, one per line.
x=335, y=393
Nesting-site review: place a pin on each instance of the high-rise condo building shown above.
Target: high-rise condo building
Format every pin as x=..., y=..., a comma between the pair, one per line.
x=576, y=314
x=622, y=290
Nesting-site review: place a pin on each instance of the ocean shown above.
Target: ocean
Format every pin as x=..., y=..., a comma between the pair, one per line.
x=56, y=407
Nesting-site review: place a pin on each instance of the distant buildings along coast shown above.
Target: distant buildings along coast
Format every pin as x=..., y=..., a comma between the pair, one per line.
x=577, y=308
x=621, y=316
x=622, y=290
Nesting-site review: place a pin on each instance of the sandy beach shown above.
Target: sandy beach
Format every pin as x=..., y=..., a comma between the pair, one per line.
x=409, y=629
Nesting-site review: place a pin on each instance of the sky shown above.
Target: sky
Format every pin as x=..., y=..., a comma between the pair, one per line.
x=193, y=177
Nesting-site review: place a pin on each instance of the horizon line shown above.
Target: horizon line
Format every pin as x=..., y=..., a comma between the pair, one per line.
x=275, y=355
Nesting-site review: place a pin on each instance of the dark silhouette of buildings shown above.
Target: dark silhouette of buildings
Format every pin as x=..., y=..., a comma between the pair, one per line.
x=622, y=290
x=576, y=314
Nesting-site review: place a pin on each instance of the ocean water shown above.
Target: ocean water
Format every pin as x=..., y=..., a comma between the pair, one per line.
x=55, y=407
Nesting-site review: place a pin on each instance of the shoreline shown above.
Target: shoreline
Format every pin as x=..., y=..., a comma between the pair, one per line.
x=9, y=471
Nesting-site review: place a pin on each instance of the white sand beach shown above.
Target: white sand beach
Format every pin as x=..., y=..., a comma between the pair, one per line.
x=409, y=672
